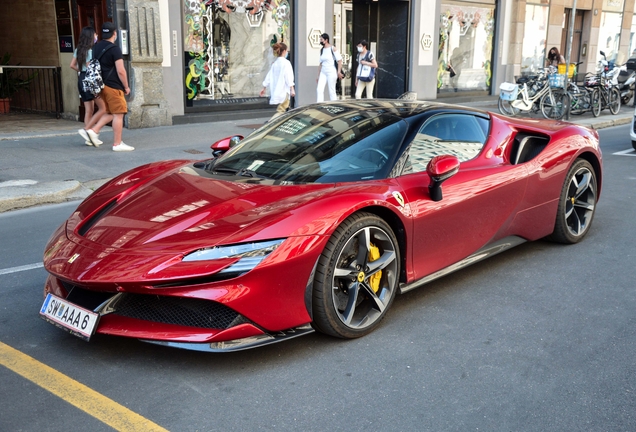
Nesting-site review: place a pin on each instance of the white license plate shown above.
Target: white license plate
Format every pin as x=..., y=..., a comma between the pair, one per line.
x=74, y=319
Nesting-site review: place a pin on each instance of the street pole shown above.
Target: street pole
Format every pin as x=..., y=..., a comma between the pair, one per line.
x=567, y=60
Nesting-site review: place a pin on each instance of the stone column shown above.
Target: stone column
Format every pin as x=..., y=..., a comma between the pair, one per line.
x=148, y=106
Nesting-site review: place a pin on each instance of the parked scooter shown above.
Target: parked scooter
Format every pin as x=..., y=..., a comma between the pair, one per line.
x=627, y=80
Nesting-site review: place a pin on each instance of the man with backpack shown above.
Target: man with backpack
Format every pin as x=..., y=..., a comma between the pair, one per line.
x=115, y=89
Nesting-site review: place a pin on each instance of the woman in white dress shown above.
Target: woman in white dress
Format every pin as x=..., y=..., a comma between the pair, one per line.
x=329, y=70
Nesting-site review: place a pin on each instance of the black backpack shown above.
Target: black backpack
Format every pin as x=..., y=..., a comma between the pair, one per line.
x=93, y=82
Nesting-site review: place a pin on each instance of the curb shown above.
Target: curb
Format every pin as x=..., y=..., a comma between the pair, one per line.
x=22, y=196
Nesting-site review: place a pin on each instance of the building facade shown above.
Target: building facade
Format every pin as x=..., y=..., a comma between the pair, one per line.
x=210, y=56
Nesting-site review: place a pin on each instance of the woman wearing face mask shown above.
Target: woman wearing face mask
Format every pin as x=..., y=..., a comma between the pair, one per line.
x=280, y=80
x=329, y=70
x=365, y=58
x=82, y=55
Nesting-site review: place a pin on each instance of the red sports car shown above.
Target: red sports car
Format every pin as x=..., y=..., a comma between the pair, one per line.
x=317, y=220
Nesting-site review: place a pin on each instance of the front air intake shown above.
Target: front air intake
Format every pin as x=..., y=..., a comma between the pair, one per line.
x=182, y=311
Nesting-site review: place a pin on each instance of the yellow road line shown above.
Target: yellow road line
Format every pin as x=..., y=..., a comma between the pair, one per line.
x=75, y=393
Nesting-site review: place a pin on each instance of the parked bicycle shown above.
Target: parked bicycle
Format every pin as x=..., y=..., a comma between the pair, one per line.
x=531, y=94
x=581, y=95
x=605, y=92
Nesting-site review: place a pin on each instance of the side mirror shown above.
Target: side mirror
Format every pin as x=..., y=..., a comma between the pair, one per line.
x=223, y=145
x=603, y=53
x=440, y=169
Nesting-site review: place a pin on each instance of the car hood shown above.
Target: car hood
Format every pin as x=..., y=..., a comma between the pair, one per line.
x=186, y=209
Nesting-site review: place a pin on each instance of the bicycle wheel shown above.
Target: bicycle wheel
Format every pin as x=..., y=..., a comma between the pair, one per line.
x=596, y=102
x=553, y=104
x=614, y=100
x=507, y=109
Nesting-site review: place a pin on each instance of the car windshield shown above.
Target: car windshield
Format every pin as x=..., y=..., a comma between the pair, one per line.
x=319, y=144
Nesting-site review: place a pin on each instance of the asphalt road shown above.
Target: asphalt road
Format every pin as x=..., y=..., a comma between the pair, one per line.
x=541, y=337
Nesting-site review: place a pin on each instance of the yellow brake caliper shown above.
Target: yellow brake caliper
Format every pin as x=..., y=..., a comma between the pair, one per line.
x=374, y=281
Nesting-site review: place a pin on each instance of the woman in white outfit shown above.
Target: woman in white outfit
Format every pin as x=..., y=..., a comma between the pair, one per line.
x=365, y=58
x=327, y=72
x=280, y=80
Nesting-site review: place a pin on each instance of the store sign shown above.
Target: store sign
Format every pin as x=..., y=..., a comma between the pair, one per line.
x=66, y=44
x=314, y=38
x=427, y=41
x=613, y=5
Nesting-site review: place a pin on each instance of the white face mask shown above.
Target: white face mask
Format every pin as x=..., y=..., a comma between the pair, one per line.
x=360, y=49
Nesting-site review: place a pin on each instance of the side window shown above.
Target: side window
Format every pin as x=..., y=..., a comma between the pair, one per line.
x=461, y=135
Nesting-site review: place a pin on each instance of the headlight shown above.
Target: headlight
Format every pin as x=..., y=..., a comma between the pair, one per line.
x=250, y=254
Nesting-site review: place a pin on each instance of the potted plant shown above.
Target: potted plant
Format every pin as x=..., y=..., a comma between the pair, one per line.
x=10, y=83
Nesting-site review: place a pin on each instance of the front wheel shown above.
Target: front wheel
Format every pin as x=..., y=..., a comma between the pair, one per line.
x=614, y=100
x=356, y=278
x=506, y=108
x=596, y=102
x=577, y=204
x=553, y=104
x=634, y=144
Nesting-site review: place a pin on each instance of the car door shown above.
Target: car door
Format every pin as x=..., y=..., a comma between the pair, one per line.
x=479, y=202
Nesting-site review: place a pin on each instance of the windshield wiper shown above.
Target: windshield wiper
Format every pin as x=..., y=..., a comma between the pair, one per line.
x=243, y=172
x=224, y=170
x=250, y=173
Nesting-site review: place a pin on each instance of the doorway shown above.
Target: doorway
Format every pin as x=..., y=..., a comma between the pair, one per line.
x=385, y=25
x=577, y=34
x=91, y=13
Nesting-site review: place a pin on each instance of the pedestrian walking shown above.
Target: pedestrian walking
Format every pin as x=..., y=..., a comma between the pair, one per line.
x=280, y=80
x=82, y=55
x=365, y=74
x=329, y=71
x=115, y=88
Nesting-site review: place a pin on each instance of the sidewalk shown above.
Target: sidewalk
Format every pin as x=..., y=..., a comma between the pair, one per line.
x=45, y=161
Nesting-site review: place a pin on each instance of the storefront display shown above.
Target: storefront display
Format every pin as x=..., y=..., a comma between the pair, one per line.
x=465, y=47
x=534, y=37
x=227, y=46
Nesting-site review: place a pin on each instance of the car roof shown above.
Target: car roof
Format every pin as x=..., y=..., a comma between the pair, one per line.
x=398, y=107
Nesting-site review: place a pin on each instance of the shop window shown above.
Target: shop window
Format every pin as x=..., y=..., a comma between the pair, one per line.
x=534, y=37
x=465, y=47
x=609, y=36
x=227, y=48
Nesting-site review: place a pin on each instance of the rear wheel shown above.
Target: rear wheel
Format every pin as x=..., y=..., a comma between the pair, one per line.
x=614, y=100
x=553, y=104
x=576, y=204
x=506, y=108
x=596, y=102
x=356, y=278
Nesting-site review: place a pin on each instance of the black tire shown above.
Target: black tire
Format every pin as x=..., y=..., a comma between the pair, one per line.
x=634, y=145
x=614, y=100
x=577, y=204
x=345, y=303
x=597, y=103
x=554, y=104
x=507, y=109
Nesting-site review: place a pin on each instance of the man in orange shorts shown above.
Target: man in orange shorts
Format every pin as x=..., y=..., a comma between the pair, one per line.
x=114, y=91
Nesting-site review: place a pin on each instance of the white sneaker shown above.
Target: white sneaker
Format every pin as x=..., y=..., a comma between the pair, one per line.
x=88, y=143
x=94, y=138
x=123, y=147
x=84, y=135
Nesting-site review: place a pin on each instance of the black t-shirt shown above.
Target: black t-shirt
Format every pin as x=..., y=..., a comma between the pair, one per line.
x=107, y=63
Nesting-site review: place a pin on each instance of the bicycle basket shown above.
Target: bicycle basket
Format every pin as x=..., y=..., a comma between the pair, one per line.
x=556, y=80
x=571, y=71
x=508, y=91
